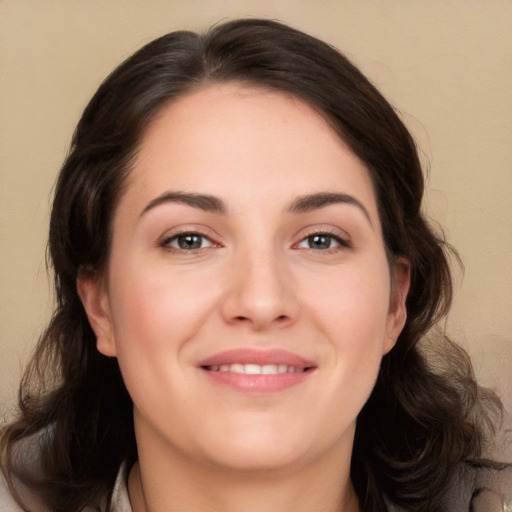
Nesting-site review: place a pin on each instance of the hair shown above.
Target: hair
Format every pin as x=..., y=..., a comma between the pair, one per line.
x=420, y=421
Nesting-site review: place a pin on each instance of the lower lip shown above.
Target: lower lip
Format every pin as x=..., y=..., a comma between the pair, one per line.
x=263, y=384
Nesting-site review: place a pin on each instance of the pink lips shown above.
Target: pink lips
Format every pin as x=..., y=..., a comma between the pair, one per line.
x=256, y=370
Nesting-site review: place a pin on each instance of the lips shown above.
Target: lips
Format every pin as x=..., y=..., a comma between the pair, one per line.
x=257, y=357
x=257, y=371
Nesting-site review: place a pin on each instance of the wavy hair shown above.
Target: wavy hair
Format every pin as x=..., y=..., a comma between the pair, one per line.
x=420, y=421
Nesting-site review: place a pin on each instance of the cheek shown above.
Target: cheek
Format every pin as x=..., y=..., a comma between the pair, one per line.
x=355, y=303
x=155, y=317
x=158, y=311
x=352, y=312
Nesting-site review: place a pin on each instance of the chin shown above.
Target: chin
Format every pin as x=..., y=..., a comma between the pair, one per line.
x=257, y=459
x=261, y=448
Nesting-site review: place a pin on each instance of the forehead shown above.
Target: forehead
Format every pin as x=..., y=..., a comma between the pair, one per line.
x=226, y=137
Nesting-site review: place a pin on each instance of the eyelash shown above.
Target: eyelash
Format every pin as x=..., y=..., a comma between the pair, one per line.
x=342, y=243
x=167, y=242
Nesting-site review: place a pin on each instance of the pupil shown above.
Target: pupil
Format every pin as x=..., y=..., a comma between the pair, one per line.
x=320, y=241
x=189, y=242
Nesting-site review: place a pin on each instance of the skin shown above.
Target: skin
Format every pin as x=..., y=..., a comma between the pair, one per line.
x=259, y=280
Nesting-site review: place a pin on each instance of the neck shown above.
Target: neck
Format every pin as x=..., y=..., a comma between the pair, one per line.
x=176, y=484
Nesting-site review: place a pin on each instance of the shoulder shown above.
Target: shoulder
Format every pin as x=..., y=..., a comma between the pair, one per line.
x=477, y=490
x=24, y=464
x=482, y=490
x=29, y=498
x=493, y=490
x=120, y=500
x=7, y=501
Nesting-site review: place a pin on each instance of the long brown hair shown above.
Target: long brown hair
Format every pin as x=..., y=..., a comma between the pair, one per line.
x=419, y=423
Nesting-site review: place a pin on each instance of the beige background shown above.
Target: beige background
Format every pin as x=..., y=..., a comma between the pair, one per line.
x=446, y=64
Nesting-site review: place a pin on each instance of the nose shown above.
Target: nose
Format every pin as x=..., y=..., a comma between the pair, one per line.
x=261, y=292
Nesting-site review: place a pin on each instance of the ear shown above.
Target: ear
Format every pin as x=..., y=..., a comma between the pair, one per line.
x=400, y=282
x=95, y=300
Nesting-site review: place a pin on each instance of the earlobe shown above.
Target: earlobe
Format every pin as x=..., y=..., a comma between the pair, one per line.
x=397, y=310
x=96, y=304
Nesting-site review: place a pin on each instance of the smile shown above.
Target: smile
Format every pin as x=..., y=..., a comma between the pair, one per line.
x=256, y=369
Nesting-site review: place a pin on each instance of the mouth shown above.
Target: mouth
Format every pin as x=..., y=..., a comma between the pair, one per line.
x=256, y=370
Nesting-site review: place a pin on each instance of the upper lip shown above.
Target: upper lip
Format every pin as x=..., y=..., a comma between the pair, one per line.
x=256, y=356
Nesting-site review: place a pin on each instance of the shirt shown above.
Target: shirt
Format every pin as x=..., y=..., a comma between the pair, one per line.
x=120, y=501
x=490, y=491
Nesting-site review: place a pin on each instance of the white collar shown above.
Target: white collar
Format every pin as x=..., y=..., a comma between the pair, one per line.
x=120, y=500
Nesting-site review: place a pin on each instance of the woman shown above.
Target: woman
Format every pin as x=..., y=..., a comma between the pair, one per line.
x=243, y=277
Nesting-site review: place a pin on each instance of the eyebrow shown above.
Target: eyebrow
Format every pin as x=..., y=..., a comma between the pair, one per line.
x=302, y=204
x=311, y=202
x=202, y=201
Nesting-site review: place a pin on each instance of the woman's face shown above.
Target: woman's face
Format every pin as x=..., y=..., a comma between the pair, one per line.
x=248, y=297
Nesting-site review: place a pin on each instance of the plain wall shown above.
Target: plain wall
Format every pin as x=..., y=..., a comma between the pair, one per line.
x=447, y=66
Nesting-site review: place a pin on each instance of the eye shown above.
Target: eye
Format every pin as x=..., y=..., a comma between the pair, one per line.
x=322, y=242
x=187, y=242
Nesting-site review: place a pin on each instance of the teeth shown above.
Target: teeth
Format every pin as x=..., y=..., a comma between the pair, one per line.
x=253, y=369
x=256, y=369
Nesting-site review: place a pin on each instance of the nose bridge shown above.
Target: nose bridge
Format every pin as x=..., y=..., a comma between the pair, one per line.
x=261, y=290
